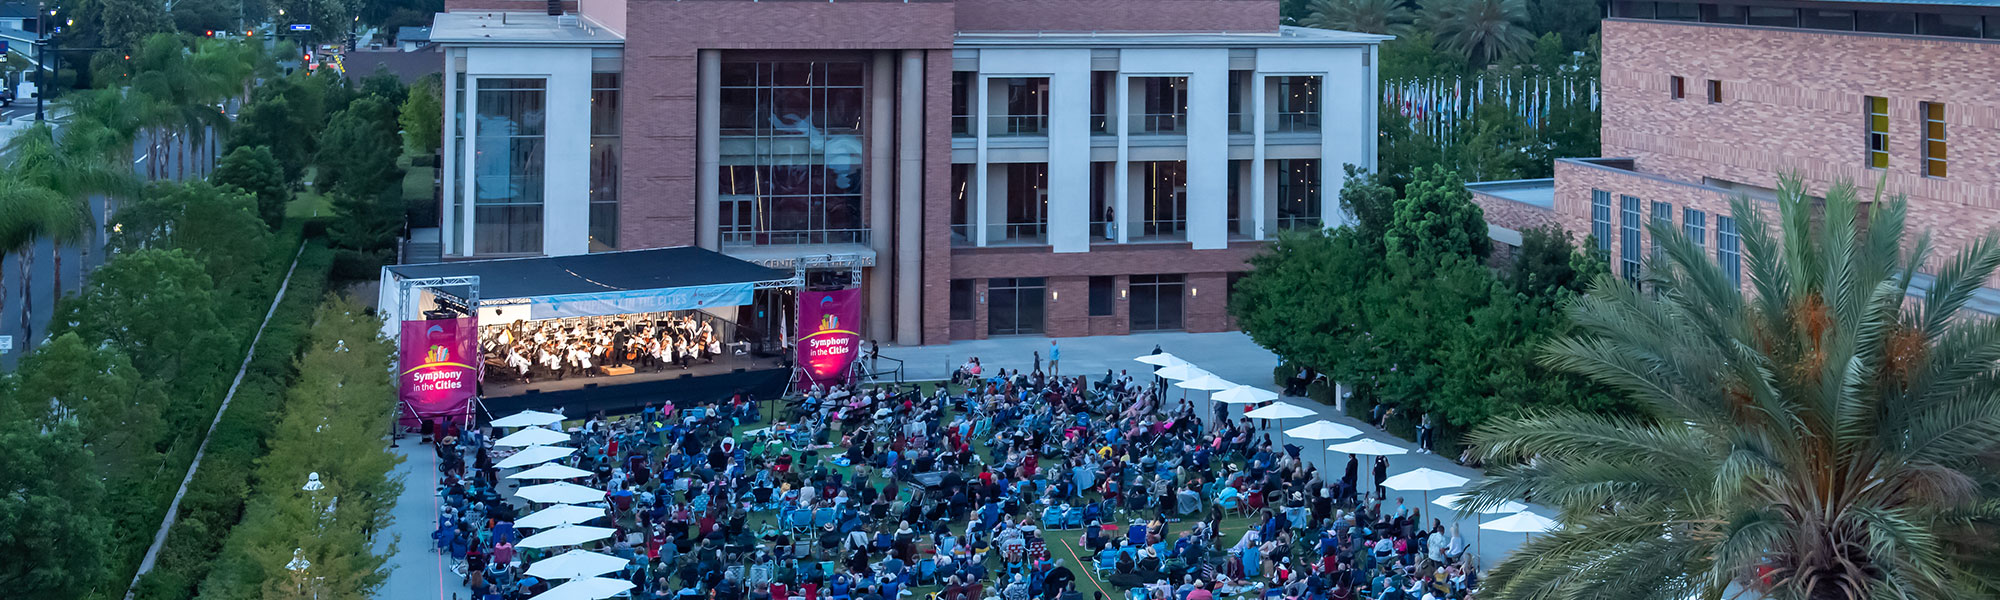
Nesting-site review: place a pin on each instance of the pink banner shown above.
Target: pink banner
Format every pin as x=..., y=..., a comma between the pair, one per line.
x=439, y=368
x=828, y=342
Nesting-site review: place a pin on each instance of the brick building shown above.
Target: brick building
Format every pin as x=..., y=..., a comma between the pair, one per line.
x=980, y=167
x=1707, y=101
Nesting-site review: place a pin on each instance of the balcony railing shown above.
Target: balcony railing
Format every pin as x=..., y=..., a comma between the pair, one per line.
x=1100, y=123
x=1163, y=229
x=961, y=235
x=1019, y=125
x=750, y=237
x=1022, y=233
x=1298, y=222
x=1295, y=122
x=1103, y=232
x=1160, y=123
x=961, y=125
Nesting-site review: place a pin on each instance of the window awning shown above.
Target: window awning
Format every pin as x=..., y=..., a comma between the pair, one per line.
x=606, y=283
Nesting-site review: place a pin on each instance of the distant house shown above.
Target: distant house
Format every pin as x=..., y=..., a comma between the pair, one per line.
x=18, y=15
x=411, y=39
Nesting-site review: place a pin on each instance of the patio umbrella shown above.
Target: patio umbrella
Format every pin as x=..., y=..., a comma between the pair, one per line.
x=1423, y=480
x=1279, y=411
x=561, y=492
x=1244, y=394
x=1521, y=522
x=532, y=436
x=1207, y=383
x=535, y=455
x=1367, y=447
x=1322, y=430
x=551, y=472
x=567, y=535
x=1451, y=501
x=590, y=588
x=560, y=515
x=526, y=418
x=1180, y=372
x=1161, y=360
x=576, y=563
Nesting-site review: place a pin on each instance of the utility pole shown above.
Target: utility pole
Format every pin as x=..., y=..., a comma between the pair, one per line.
x=41, y=57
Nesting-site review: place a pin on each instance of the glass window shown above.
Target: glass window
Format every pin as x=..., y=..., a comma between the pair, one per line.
x=1876, y=21
x=1156, y=302
x=1298, y=194
x=1726, y=253
x=1695, y=224
x=1992, y=29
x=961, y=205
x=1771, y=16
x=961, y=299
x=1877, y=109
x=1724, y=13
x=1298, y=104
x=961, y=102
x=1663, y=218
x=1163, y=210
x=800, y=181
x=1816, y=18
x=1026, y=111
x=1714, y=91
x=1014, y=305
x=458, y=200
x=1600, y=221
x=1103, y=293
x=1027, y=202
x=508, y=168
x=1162, y=105
x=1677, y=86
x=1632, y=10
x=1679, y=11
x=605, y=112
x=1102, y=93
x=1628, y=243
x=1948, y=25
x=1934, y=150
x=1103, y=215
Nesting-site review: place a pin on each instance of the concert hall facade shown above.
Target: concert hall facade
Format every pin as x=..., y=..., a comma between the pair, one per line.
x=978, y=167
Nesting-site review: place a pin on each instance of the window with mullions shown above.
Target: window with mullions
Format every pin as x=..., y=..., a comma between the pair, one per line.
x=605, y=144
x=1695, y=224
x=1628, y=238
x=1877, y=109
x=1600, y=221
x=1934, y=150
x=798, y=177
x=1298, y=194
x=1014, y=305
x=1156, y=301
x=1103, y=294
x=508, y=168
x=1663, y=216
x=1727, y=252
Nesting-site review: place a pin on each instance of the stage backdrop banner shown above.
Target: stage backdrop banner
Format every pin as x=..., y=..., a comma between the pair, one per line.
x=828, y=342
x=439, y=367
x=640, y=301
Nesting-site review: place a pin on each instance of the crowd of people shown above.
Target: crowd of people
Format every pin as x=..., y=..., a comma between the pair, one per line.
x=1005, y=485
x=561, y=348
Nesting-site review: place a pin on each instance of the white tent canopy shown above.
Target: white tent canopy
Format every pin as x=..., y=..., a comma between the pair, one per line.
x=561, y=492
x=1244, y=394
x=1451, y=501
x=1521, y=522
x=1322, y=430
x=1423, y=480
x=559, y=515
x=551, y=472
x=526, y=418
x=576, y=563
x=532, y=436
x=1367, y=447
x=535, y=455
x=591, y=588
x=1281, y=410
x=567, y=535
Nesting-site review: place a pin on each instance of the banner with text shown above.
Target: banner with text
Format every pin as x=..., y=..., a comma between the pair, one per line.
x=828, y=342
x=439, y=368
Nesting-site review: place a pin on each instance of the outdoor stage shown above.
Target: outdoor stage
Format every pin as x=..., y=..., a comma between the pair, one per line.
x=700, y=383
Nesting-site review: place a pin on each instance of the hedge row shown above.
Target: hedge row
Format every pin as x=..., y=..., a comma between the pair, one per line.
x=216, y=497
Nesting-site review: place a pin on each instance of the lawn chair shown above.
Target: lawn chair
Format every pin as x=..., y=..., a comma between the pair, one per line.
x=1055, y=517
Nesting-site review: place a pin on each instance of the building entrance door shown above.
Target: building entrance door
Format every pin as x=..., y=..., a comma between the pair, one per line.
x=1156, y=302
x=1014, y=305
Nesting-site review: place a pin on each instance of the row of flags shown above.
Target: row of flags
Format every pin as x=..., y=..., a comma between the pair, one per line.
x=1441, y=106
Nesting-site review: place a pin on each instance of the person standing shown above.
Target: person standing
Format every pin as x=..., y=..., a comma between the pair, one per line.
x=1055, y=355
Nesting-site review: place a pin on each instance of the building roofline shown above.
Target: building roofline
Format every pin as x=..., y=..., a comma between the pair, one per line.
x=479, y=28
x=1283, y=36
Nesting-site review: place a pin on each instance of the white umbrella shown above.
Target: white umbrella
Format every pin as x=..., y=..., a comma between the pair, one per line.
x=1207, y=382
x=551, y=472
x=1281, y=410
x=532, y=436
x=1180, y=372
x=1161, y=360
x=561, y=492
x=591, y=588
x=576, y=563
x=1451, y=501
x=1367, y=447
x=559, y=515
x=567, y=535
x=1423, y=480
x=535, y=455
x=1521, y=522
x=1322, y=430
x=1244, y=394
x=526, y=418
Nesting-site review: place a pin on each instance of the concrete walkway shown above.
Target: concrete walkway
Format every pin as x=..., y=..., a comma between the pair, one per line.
x=1232, y=356
x=416, y=571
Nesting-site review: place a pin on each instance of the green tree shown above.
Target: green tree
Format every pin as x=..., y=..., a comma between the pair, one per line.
x=125, y=24
x=159, y=306
x=97, y=388
x=218, y=224
x=254, y=170
x=25, y=213
x=422, y=116
x=1483, y=31
x=359, y=150
x=1366, y=16
x=74, y=170
x=384, y=85
x=1436, y=217
x=1826, y=435
x=52, y=526
x=1572, y=20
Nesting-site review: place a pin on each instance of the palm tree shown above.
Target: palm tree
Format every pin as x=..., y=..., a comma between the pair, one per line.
x=24, y=212
x=74, y=172
x=1366, y=16
x=1484, y=31
x=183, y=95
x=1818, y=439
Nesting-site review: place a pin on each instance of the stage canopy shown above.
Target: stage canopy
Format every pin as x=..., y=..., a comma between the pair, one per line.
x=604, y=283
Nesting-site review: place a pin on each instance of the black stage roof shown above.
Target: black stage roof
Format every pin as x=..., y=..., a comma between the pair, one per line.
x=655, y=268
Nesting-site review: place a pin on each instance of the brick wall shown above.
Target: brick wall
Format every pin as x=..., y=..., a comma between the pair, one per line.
x=1793, y=101
x=1510, y=214
x=1575, y=180
x=1067, y=307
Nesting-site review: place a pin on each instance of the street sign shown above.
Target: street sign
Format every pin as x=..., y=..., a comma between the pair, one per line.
x=302, y=27
x=6, y=343
x=3, y=48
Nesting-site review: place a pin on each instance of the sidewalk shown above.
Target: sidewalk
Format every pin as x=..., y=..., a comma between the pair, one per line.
x=415, y=572
x=1232, y=356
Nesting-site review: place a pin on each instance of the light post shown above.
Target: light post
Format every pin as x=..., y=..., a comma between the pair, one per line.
x=42, y=56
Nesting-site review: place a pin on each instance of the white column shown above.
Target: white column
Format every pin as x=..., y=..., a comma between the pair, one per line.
x=1121, y=171
x=910, y=200
x=449, y=196
x=708, y=148
x=881, y=191
x=465, y=193
x=981, y=88
x=1259, y=204
x=1208, y=149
